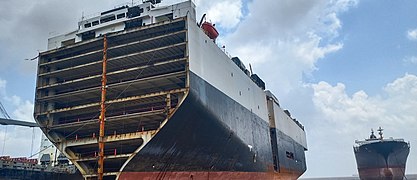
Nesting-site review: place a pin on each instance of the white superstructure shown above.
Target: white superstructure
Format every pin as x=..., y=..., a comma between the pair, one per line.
x=47, y=151
x=223, y=73
x=120, y=19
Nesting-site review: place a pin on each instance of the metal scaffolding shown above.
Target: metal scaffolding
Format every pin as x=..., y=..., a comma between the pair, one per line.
x=144, y=77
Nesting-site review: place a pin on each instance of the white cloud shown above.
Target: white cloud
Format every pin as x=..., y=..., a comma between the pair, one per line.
x=24, y=111
x=410, y=59
x=18, y=139
x=282, y=63
x=226, y=13
x=405, y=87
x=2, y=88
x=337, y=106
x=284, y=39
x=394, y=106
x=412, y=34
x=26, y=26
x=345, y=118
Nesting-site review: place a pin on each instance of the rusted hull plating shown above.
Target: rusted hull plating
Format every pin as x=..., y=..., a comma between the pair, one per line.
x=382, y=173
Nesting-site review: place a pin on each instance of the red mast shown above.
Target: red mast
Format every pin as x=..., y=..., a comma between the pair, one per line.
x=102, y=112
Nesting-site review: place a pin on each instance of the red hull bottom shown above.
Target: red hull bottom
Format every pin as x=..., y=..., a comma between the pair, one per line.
x=382, y=174
x=219, y=175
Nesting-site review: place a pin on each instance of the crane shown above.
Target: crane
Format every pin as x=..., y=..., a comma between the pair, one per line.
x=9, y=121
x=3, y=111
x=5, y=121
x=6, y=115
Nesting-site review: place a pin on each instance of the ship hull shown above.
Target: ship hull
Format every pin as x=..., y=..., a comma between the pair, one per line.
x=31, y=174
x=176, y=106
x=382, y=160
x=391, y=173
x=214, y=175
x=210, y=135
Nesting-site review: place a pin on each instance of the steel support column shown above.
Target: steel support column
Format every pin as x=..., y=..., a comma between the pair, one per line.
x=103, y=111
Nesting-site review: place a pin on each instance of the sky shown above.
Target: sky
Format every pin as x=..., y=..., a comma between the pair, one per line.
x=341, y=67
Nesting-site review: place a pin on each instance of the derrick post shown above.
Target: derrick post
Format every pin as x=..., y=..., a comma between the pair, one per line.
x=102, y=111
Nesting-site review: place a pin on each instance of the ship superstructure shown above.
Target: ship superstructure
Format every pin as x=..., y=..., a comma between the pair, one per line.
x=381, y=158
x=177, y=106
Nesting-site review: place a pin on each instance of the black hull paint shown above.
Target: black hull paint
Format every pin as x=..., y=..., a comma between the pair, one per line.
x=212, y=132
x=286, y=144
x=379, y=160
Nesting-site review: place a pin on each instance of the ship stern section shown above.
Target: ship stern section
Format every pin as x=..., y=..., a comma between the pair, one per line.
x=177, y=106
x=146, y=83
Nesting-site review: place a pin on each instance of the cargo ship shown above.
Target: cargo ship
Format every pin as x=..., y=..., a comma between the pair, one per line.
x=381, y=158
x=29, y=169
x=177, y=106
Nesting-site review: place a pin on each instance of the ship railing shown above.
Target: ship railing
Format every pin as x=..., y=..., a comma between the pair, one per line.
x=90, y=155
x=122, y=84
x=14, y=165
x=90, y=106
x=81, y=59
x=75, y=136
x=118, y=113
x=376, y=140
x=298, y=123
x=83, y=80
x=97, y=14
x=366, y=141
x=50, y=56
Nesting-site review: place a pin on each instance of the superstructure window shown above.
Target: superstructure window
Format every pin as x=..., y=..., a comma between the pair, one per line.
x=94, y=23
x=133, y=23
x=88, y=35
x=68, y=42
x=87, y=25
x=121, y=15
x=107, y=19
x=134, y=12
